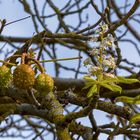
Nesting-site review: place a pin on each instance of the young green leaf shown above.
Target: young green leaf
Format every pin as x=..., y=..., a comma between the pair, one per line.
x=124, y=99
x=112, y=87
x=92, y=90
x=137, y=98
x=110, y=80
x=129, y=100
x=89, y=82
x=127, y=80
x=89, y=79
x=135, y=118
x=87, y=85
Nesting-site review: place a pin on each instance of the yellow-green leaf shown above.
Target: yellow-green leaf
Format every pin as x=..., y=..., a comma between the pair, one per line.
x=127, y=80
x=130, y=100
x=89, y=79
x=112, y=87
x=135, y=118
x=110, y=80
x=92, y=90
x=137, y=98
x=124, y=99
x=87, y=85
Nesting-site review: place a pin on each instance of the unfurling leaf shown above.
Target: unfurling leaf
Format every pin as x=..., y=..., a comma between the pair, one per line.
x=92, y=90
x=89, y=82
x=87, y=85
x=89, y=79
x=127, y=80
x=112, y=87
x=135, y=118
x=137, y=98
x=109, y=80
x=125, y=99
x=129, y=100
